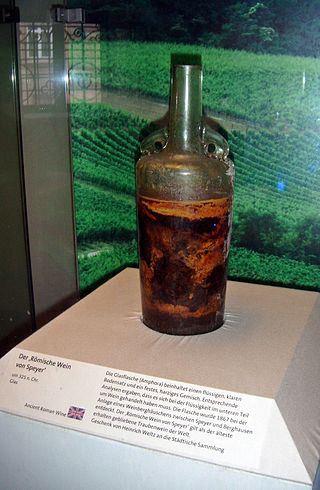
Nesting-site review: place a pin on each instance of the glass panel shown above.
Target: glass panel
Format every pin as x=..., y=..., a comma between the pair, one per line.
x=16, y=313
x=46, y=152
x=36, y=63
x=82, y=51
x=261, y=85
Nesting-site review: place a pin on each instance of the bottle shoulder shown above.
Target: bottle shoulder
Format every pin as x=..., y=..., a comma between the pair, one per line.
x=184, y=177
x=180, y=162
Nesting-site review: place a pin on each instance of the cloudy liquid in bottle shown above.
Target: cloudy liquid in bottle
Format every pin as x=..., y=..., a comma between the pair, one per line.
x=184, y=249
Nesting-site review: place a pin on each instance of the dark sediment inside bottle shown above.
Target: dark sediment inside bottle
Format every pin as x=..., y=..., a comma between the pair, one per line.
x=184, y=249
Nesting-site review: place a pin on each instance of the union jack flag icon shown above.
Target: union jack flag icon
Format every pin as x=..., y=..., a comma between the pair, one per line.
x=76, y=413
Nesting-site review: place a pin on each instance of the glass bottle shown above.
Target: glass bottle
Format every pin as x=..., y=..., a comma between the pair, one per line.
x=184, y=201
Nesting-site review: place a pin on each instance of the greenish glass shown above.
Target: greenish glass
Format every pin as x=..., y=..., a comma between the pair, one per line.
x=184, y=200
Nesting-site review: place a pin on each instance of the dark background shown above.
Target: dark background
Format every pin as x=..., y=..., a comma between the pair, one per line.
x=273, y=26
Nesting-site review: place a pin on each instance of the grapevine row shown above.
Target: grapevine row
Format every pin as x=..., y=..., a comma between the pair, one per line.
x=270, y=90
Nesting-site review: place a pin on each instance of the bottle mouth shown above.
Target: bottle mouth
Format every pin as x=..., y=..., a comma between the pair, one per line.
x=183, y=59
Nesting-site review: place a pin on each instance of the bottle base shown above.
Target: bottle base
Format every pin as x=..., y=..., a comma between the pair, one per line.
x=177, y=325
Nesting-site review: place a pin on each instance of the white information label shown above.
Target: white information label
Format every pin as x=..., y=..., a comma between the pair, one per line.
x=195, y=421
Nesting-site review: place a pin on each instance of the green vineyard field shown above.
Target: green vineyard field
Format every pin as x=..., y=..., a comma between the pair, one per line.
x=276, y=232
x=250, y=266
x=277, y=92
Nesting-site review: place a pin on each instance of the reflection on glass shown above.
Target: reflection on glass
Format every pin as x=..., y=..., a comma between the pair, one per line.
x=37, y=69
x=46, y=159
x=82, y=50
x=36, y=63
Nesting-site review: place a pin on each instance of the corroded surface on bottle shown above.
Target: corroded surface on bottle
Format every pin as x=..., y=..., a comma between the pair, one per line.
x=183, y=253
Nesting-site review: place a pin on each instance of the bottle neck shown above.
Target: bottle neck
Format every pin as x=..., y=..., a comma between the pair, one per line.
x=185, y=113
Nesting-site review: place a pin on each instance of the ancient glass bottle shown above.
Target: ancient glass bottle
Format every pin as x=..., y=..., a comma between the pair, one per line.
x=184, y=201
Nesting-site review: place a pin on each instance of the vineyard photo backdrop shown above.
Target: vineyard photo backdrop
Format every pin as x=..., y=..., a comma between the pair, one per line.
x=269, y=105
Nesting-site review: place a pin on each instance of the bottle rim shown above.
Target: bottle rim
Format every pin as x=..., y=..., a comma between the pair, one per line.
x=185, y=59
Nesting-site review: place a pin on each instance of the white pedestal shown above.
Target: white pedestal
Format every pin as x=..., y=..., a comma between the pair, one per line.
x=262, y=367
